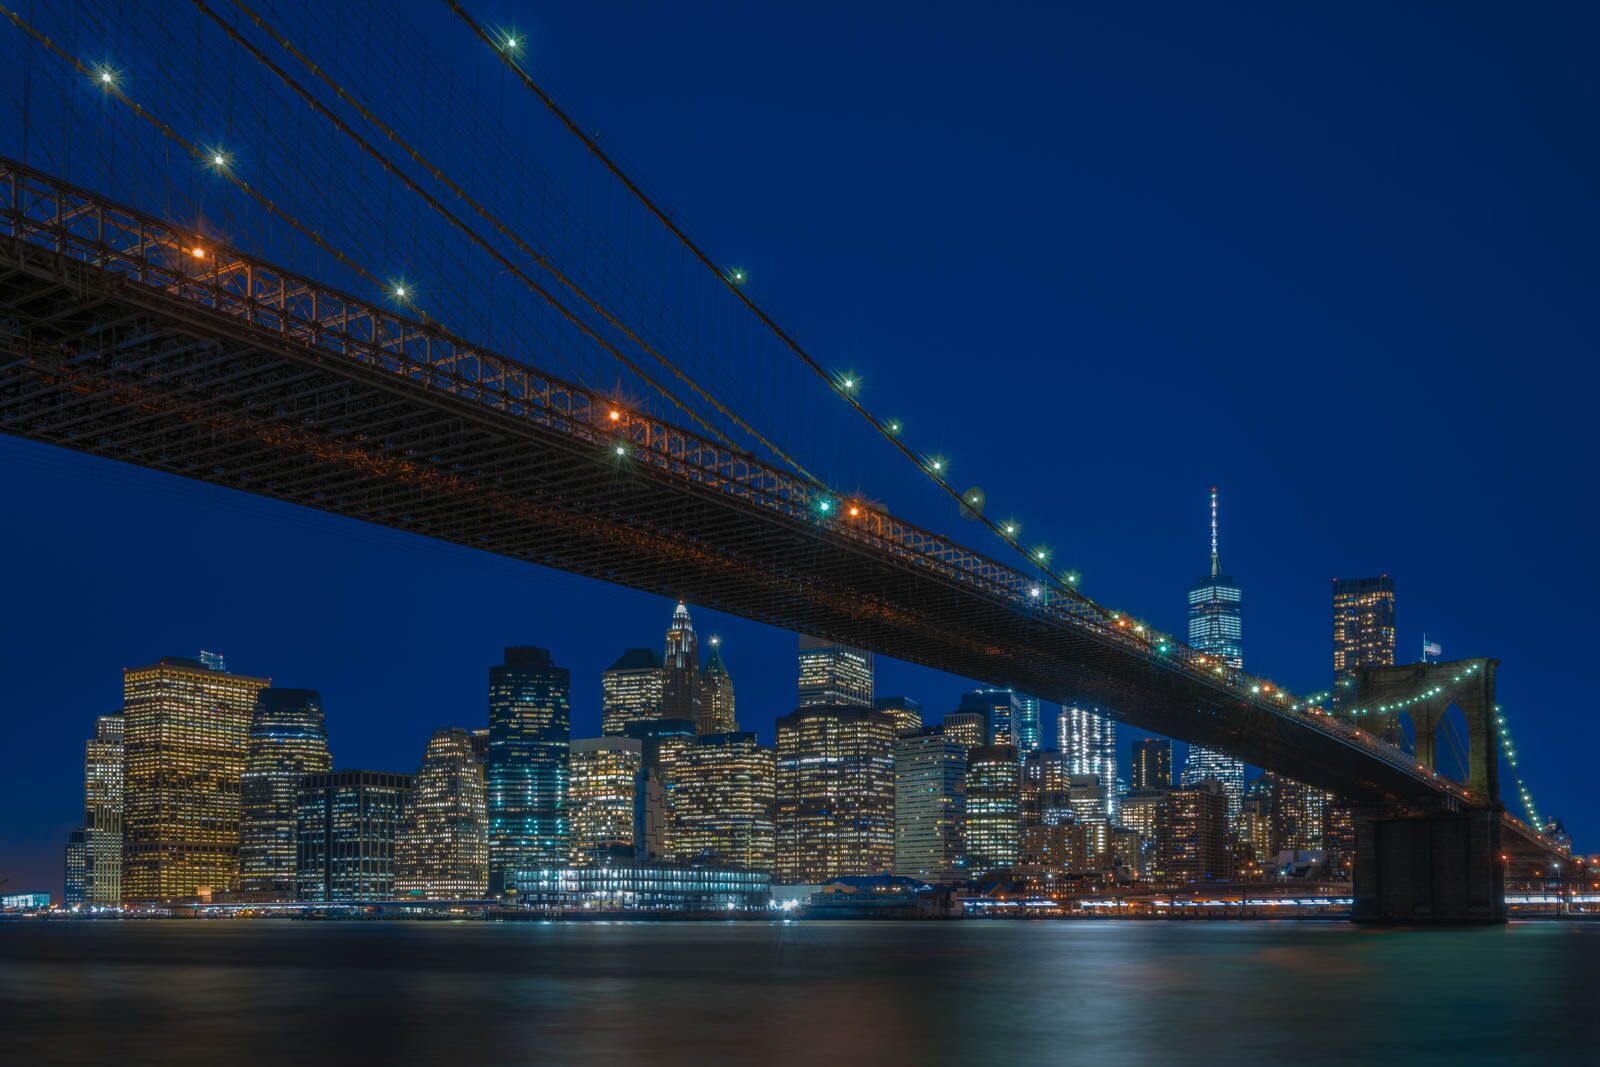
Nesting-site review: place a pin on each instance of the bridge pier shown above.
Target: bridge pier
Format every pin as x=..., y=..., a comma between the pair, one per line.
x=1427, y=868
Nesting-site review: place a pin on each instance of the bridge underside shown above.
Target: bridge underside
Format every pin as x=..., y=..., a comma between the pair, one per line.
x=100, y=364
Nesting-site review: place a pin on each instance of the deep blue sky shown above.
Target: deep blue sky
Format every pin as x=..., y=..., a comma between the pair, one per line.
x=1339, y=262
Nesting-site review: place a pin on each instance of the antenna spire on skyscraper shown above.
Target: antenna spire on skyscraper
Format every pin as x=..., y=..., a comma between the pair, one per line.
x=1216, y=564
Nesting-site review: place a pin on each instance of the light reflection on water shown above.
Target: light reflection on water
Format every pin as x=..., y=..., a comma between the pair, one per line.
x=969, y=993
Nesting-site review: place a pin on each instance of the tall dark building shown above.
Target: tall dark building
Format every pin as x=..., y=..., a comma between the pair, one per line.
x=1152, y=763
x=530, y=735
x=75, y=884
x=287, y=741
x=1363, y=629
x=680, y=689
x=347, y=829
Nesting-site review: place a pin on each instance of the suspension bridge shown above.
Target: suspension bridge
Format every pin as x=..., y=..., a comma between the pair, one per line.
x=172, y=333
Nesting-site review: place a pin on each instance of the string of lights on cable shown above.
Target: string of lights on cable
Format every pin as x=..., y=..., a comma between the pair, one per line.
x=508, y=46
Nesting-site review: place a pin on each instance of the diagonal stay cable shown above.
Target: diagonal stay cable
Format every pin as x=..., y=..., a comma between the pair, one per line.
x=1065, y=580
x=450, y=217
x=189, y=146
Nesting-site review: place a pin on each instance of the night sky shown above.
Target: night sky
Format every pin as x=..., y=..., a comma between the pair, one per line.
x=1338, y=262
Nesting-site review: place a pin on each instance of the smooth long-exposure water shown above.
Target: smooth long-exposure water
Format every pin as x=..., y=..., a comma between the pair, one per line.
x=308, y=994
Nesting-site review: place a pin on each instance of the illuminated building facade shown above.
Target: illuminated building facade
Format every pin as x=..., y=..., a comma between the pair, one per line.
x=442, y=852
x=929, y=806
x=662, y=743
x=993, y=784
x=185, y=728
x=680, y=693
x=622, y=886
x=1025, y=724
x=1252, y=834
x=1088, y=740
x=530, y=731
x=1192, y=835
x=1152, y=763
x=906, y=713
x=287, y=740
x=1298, y=814
x=969, y=728
x=1003, y=708
x=75, y=879
x=723, y=799
x=834, y=675
x=347, y=833
x=717, y=711
x=631, y=690
x=835, y=795
x=102, y=811
x=1363, y=629
x=1209, y=765
x=601, y=795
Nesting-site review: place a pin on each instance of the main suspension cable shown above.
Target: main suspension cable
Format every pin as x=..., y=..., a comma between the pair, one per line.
x=885, y=428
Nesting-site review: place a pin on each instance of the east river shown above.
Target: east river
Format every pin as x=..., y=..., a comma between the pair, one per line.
x=975, y=993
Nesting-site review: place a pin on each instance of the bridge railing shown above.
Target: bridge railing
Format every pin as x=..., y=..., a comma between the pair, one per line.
x=210, y=278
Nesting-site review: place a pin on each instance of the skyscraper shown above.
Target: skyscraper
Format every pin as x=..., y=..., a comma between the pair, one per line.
x=717, y=714
x=1004, y=709
x=1192, y=835
x=74, y=884
x=663, y=742
x=906, y=713
x=680, y=693
x=835, y=796
x=1214, y=608
x=1215, y=628
x=1088, y=740
x=1026, y=723
x=287, y=741
x=1152, y=763
x=723, y=801
x=1363, y=629
x=601, y=796
x=102, y=812
x=443, y=848
x=185, y=729
x=929, y=805
x=993, y=783
x=631, y=690
x=347, y=833
x=834, y=675
x=530, y=729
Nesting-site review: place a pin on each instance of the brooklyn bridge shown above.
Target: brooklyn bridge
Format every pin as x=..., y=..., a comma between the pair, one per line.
x=179, y=304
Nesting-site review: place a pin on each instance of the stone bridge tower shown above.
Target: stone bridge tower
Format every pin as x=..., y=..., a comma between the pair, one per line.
x=1468, y=684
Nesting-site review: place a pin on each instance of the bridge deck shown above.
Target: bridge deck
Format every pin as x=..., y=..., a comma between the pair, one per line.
x=117, y=340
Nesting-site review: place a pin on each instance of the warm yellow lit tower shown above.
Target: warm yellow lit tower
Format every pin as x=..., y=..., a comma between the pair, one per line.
x=185, y=727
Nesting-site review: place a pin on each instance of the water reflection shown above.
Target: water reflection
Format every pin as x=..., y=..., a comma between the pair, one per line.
x=969, y=993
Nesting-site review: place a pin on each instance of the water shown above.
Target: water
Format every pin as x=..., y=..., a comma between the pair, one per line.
x=308, y=994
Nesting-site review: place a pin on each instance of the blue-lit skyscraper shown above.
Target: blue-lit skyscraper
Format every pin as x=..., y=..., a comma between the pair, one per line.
x=1027, y=724
x=530, y=734
x=1215, y=629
